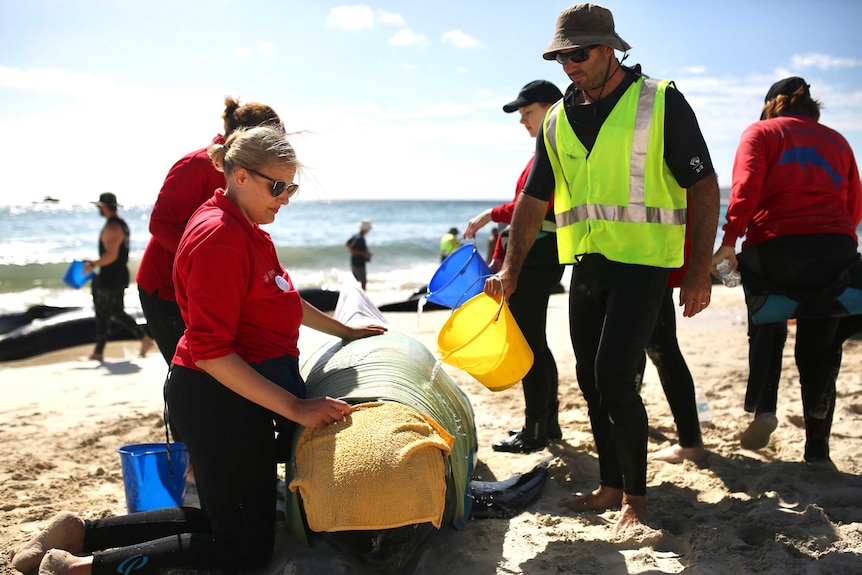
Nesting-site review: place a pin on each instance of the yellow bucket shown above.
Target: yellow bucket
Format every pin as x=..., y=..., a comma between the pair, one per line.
x=482, y=338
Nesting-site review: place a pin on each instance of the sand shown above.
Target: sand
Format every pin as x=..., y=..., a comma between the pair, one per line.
x=739, y=511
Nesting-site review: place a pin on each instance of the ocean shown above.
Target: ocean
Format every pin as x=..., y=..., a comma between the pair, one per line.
x=38, y=242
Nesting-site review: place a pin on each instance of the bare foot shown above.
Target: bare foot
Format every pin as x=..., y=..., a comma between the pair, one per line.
x=677, y=454
x=632, y=513
x=65, y=531
x=599, y=500
x=147, y=344
x=59, y=562
x=756, y=436
x=92, y=357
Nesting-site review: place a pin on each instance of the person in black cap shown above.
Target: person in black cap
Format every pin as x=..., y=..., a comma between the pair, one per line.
x=529, y=303
x=109, y=285
x=797, y=201
x=627, y=167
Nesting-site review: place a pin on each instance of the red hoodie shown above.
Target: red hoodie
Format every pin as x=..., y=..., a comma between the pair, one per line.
x=503, y=213
x=189, y=183
x=792, y=176
x=232, y=291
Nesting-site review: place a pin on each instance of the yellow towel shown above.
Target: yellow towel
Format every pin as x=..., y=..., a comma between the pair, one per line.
x=380, y=467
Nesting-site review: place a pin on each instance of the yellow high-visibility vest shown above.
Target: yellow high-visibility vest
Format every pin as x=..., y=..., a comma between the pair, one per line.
x=620, y=199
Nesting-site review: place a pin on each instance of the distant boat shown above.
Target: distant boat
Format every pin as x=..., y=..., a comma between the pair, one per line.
x=50, y=200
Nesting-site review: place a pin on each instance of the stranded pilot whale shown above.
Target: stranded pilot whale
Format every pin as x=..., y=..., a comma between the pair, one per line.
x=396, y=368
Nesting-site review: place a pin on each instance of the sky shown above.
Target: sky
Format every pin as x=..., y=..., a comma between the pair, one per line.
x=389, y=99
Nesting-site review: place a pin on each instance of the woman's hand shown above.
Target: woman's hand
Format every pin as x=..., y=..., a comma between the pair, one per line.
x=321, y=411
x=361, y=331
x=724, y=253
x=477, y=224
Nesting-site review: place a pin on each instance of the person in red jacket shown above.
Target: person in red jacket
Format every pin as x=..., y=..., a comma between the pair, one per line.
x=796, y=198
x=235, y=379
x=529, y=303
x=189, y=183
x=674, y=374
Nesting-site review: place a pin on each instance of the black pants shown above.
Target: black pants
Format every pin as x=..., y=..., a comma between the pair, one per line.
x=529, y=307
x=612, y=313
x=232, y=447
x=164, y=322
x=799, y=264
x=676, y=381
x=108, y=304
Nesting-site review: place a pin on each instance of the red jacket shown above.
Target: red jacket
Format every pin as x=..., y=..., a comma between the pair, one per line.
x=792, y=176
x=233, y=294
x=503, y=213
x=189, y=183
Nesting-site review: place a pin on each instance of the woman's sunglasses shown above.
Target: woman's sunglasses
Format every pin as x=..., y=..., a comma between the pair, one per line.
x=278, y=187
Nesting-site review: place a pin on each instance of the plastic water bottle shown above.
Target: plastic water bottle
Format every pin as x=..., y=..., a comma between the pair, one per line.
x=729, y=276
x=703, y=413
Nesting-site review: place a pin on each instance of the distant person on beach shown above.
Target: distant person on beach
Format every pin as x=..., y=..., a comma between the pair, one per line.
x=540, y=274
x=359, y=254
x=235, y=379
x=620, y=200
x=797, y=201
x=189, y=183
x=449, y=243
x=109, y=285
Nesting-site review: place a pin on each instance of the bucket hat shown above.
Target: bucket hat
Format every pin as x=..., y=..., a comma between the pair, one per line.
x=584, y=25
x=107, y=199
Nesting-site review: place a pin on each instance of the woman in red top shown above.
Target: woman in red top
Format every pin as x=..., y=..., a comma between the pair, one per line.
x=235, y=380
x=796, y=199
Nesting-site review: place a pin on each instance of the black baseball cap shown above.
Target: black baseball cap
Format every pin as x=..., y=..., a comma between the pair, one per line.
x=535, y=91
x=786, y=87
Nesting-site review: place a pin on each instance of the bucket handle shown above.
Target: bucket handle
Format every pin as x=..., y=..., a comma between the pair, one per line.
x=494, y=320
x=469, y=287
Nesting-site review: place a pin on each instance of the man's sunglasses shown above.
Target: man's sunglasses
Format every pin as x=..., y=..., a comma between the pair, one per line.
x=578, y=56
x=278, y=187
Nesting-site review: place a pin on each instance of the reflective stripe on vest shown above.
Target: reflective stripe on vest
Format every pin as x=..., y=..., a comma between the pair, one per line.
x=636, y=211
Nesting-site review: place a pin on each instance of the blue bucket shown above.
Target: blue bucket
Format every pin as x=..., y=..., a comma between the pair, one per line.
x=150, y=481
x=458, y=277
x=75, y=276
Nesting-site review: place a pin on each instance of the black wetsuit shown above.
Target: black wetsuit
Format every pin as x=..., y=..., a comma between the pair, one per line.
x=235, y=456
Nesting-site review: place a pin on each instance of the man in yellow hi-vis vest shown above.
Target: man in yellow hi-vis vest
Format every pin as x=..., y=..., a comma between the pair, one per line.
x=619, y=153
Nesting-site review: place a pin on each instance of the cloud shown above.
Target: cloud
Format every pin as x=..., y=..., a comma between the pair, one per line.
x=823, y=62
x=265, y=49
x=694, y=70
x=351, y=17
x=407, y=37
x=54, y=81
x=390, y=18
x=461, y=40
